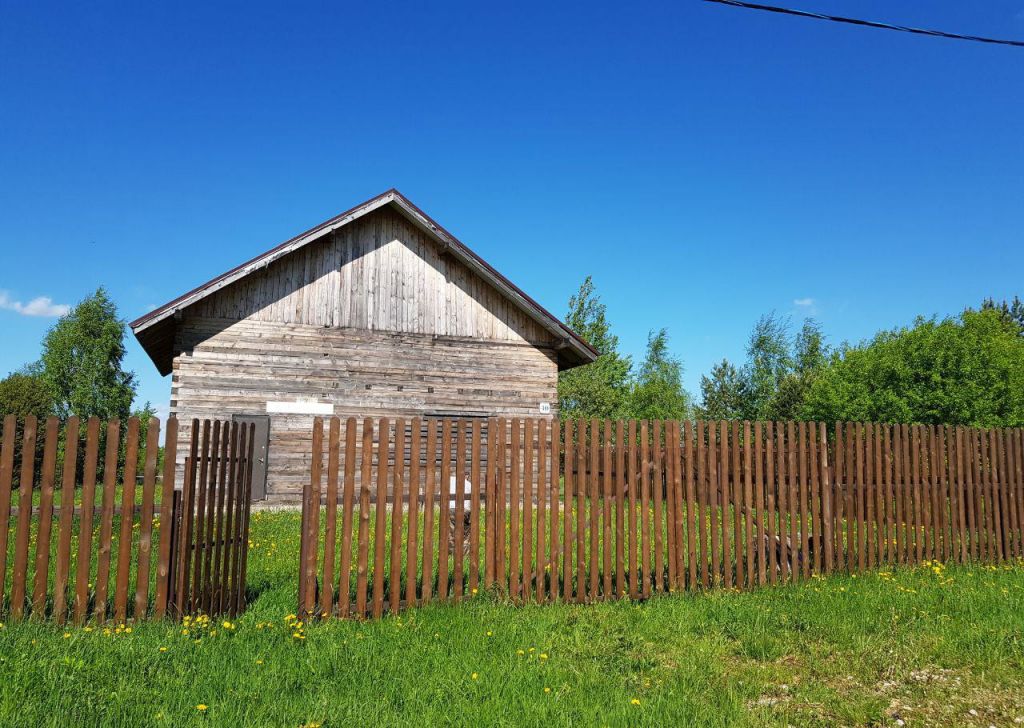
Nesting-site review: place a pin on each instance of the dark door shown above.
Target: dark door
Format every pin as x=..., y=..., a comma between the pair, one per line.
x=261, y=445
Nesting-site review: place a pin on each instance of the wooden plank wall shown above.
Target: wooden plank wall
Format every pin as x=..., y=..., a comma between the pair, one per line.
x=380, y=273
x=238, y=369
x=84, y=553
x=584, y=511
x=374, y=319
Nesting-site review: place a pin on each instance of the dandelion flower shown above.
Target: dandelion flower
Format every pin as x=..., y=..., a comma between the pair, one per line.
x=201, y=707
x=543, y=655
x=474, y=676
x=163, y=649
x=635, y=701
x=547, y=690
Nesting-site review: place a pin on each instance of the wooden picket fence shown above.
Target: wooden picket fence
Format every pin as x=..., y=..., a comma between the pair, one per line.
x=432, y=510
x=62, y=544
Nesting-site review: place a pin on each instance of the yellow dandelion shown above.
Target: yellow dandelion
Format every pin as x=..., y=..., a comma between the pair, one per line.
x=474, y=676
x=543, y=655
x=163, y=649
x=201, y=707
x=547, y=690
x=635, y=701
x=490, y=633
x=66, y=635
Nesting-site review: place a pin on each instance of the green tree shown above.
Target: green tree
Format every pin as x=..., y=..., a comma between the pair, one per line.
x=808, y=357
x=1013, y=311
x=768, y=362
x=723, y=394
x=25, y=394
x=962, y=371
x=599, y=389
x=81, y=362
x=657, y=391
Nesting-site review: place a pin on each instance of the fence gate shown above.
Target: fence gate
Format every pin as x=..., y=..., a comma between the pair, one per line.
x=210, y=513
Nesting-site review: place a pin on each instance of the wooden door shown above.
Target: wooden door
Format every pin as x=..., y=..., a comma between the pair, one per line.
x=261, y=451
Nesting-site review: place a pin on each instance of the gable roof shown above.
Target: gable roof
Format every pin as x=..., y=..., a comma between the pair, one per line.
x=155, y=331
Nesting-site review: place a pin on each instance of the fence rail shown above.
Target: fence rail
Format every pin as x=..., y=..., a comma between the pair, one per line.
x=583, y=511
x=74, y=553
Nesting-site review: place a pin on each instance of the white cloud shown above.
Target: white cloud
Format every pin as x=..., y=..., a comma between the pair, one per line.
x=803, y=302
x=38, y=306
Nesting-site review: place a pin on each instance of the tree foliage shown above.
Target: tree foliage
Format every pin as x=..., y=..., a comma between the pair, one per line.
x=723, y=394
x=657, y=391
x=967, y=370
x=599, y=389
x=25, y=394
x=1012, y=312
x=775, y=379
x=81, y=362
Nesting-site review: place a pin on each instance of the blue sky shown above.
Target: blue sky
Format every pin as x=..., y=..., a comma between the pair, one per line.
x=704, y=164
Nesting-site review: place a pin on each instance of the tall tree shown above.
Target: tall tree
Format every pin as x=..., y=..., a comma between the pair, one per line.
x=768, y=362
x=599, y=389
x=962, y=371
x=809, y=356
x=658, y=388
x=723, y=394
x=81, y=361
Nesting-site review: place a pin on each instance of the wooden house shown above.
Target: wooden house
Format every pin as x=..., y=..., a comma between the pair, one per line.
x=377, y=312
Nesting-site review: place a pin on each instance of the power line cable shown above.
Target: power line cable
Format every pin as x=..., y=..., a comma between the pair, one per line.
x=866, y=23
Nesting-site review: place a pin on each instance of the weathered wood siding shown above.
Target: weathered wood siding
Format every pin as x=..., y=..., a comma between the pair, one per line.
x=374, y=321
x=380, y=273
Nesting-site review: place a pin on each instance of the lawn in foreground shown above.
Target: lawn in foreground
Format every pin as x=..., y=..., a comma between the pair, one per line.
x=925, y=645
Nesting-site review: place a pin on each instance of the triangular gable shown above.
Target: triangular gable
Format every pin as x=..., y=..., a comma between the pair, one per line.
x=155, y=330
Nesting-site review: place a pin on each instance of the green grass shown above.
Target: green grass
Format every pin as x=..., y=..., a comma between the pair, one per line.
x=922, y=646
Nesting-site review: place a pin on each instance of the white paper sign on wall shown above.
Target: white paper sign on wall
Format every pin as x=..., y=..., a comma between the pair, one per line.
x=545, y=408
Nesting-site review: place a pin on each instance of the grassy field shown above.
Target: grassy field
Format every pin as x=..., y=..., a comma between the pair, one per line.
x=928, y=646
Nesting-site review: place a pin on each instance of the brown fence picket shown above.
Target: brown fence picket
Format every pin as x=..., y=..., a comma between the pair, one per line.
x=62, y=568
x=692, y=513
x=645, y=510
x=412, y=557
x=515, y=454
x=474, y=507
x=541, y=564
x=620, y=509
x=606, y=517
x=330, y=516
x=397, y=507
x=347, y=521
x=429, y=489
x=165, y=549
x=827, y=507
x=43, y=539
x=6, y=480
x=84, y=558
x=24, y=523
x=444, y=507
x=366, y=476
x=554, y=465
x=660, y=478
x=527, y=568
x=380, y=519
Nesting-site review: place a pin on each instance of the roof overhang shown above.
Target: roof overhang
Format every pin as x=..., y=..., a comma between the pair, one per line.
x=155, y=331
